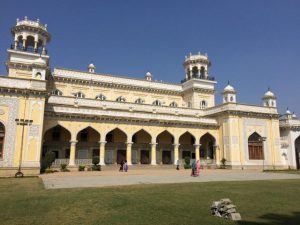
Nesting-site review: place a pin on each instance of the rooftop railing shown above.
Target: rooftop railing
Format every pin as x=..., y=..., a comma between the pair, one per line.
x=29, y=49
x=200, y=78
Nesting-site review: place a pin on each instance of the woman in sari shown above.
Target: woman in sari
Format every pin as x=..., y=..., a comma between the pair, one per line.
x=197, y=168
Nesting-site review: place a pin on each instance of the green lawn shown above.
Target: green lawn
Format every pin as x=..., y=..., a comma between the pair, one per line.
x=25, y=201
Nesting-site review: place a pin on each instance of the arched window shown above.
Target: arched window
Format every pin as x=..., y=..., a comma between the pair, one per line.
x=101, y=97
x=255, y=147
x=79, y=95
x=195, y=71
x=139, y=101
x=121, y=99
x=231, y=98
x=203, y=104
x=157, y=102
x=2, y=136
x=173, y=104
x=56, y=92
x=202, y=72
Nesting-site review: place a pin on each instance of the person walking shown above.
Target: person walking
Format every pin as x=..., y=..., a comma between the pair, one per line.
x=125, y=166
x=197, y=168
x=121, y=166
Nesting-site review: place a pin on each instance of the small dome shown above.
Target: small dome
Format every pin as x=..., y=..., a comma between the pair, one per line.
x=294, y=116
x=288, y=112
x=228, y=88
x=91, y=66
x=148, y=74
x=39, y=61
x=269, y=94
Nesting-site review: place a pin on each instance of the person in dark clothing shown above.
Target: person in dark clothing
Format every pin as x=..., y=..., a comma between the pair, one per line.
x=121, y=166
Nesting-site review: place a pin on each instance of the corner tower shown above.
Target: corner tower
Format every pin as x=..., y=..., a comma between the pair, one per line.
x=198, y=86
x=27, y=56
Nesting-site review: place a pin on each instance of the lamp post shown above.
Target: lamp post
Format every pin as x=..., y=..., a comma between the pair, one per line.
x=263, y=139
x=23, y=123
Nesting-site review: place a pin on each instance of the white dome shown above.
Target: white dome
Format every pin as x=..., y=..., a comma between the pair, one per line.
x=92, y=65
x=294, y=116
x=39, y=61
x=148, y=74
x=269, y=94
x=228, y=88
x=288, y=112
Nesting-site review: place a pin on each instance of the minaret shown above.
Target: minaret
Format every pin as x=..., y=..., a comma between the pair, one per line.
x=229, y=94
x=27, y=56
x=269, y=99
x=196, y=66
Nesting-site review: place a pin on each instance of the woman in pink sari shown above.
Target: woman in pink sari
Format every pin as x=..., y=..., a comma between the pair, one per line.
x=197, y=168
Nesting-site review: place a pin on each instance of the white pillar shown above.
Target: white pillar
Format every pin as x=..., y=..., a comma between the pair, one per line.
x=128, y=152
x=102, y=152
x=72, y=153
x=197, y=153
x=176, y=153
x=153, y=153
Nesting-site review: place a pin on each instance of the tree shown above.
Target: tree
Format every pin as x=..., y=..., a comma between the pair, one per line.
x=49, y=159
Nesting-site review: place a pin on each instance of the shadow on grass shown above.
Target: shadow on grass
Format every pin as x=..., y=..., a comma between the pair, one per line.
x=275, y=219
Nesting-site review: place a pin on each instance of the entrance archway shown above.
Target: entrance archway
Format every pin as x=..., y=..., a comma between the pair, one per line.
x=87, y=145
x=186, y=146
x=297, y=152
x=255, y=147
x=2, y=138
x=165, y=142
x=207, y=142
x=115, y=148
x=141, y=147
x=57, y=140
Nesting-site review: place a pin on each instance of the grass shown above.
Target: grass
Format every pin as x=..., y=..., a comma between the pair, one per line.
x=25, y=201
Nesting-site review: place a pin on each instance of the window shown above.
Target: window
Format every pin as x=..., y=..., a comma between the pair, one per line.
x=231, y=98
x=2, y=136
x=79, y=95
x=203, y=104
x=121, y=99
x=189, y=105
x=101, y=97
x=157, y=102
x=173, y=104
x=255, y=147
x=139, y=101
x=56, y=92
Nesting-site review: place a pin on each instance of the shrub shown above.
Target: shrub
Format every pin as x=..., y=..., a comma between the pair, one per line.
x=96, y=160
x=63, y=168
x=187, y=161
x=81, y=167
x=49, y=159
x=223, y=163
x=48, y=170
x=96, y=167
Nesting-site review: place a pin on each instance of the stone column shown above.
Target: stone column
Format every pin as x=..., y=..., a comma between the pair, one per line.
x=102, y=152
x=176, y=153
x=153, y=153
x=24, y=43
x=138, y=155
x=72, y=153
x=197, y=151
x=128, y=152
x=35, y=46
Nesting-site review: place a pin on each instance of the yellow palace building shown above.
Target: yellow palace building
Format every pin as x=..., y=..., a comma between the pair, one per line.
x=80, y=114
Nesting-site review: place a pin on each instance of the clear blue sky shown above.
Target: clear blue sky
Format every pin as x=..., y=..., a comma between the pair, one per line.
x=254, y=44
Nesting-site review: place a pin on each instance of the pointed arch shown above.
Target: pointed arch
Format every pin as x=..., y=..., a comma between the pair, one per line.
x=56, y=127
x=141, y=136
x=116, y=135
x=2, y=139
x=88, y=134
x=255, y=147
x=207, y=148
x=187, y=138
x=165, y=137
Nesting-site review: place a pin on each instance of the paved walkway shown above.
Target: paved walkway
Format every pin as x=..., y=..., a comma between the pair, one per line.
x=163, y=176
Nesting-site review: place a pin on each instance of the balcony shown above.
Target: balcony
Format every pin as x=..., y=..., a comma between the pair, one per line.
x=200, y=78
x=29, y=49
